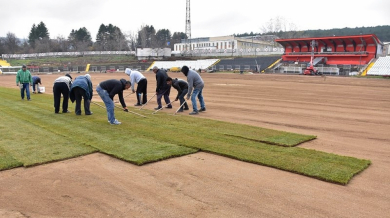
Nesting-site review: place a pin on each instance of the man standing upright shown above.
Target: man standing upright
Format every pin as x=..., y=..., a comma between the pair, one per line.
x=196, y=83
x=23, y=80
x=62, y=86
x=82, y=88
x=137, y=78
x=162, y=88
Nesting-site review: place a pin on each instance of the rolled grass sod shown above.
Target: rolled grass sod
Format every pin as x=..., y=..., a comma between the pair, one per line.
x=143, y=140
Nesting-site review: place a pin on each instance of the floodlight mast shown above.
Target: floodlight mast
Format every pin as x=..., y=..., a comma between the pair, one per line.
x=188, y=26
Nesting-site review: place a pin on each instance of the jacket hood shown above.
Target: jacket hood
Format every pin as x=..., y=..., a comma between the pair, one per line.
x=185, y=70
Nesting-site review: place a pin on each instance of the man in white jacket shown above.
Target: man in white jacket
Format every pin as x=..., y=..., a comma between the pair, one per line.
x=137, y=78
x=62, y=87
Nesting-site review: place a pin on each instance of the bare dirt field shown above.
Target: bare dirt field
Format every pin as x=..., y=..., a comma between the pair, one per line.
x=350, y=116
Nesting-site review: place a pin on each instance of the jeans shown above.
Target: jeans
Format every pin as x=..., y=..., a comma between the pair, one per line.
x=197, y=93
x=33, y=87
x=25, y=86
x=108, y=102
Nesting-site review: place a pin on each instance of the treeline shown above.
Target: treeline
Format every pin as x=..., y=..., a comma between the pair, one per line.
x=108, y=38
x=383, y=32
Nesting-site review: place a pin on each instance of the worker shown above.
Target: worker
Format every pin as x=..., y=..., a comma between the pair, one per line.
x=62, y=86
x=195, y=89
x=23, y=80
x=162, y=88
x=137, y=78
x=36, y=81
x=182, y=88
x=107, y=90
x=82, y=88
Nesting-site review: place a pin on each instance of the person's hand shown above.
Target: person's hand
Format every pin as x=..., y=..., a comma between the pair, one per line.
x=188, y=97
x=156, y=93
x=176, y=99
x=17, y=84
x=132, y=91
x=125, y=109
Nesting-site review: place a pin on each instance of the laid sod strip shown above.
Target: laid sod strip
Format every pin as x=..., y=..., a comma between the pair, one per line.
x=163, y=136
x=32, y=145
x=91, y=130
x=7, y=161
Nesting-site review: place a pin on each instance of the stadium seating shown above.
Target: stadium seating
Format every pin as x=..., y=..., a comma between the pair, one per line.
x=243, y=63
x=193, y=64
x=381, y=67
x=4, y=63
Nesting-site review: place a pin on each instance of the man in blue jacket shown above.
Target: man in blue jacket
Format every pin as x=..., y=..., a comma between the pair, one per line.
x=35, y=82
x=82, y=88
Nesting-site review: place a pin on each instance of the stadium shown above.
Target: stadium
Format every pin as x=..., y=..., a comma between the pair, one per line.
x=294, y=128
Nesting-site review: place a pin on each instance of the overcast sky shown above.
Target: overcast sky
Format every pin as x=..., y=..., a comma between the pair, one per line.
x=208, y=17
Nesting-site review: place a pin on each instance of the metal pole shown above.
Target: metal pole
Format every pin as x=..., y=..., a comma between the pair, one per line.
x=147, y=101
x=163, y=107
x=131, y=112
x=179, y=107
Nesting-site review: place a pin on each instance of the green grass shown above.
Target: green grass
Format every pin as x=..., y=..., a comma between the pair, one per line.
x=32, y=134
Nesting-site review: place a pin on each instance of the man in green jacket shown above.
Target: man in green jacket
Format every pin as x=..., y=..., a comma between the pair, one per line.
x=23, y=80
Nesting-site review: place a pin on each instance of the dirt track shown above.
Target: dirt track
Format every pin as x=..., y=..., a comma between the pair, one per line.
x=350, y=116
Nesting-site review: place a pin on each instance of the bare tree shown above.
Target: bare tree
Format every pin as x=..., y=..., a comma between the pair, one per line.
x=131, y=40
x=276, y=25
x=42, y=45
x=11, y=43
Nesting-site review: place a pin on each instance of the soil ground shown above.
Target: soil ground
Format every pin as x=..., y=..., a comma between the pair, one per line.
x=350, y=116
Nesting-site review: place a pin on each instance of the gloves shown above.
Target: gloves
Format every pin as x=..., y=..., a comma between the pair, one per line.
x=125, y=109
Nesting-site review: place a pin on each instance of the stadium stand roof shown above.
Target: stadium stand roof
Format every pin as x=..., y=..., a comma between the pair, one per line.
x=356, y=49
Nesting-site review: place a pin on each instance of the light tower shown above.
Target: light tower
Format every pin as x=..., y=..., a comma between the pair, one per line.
x=188, y=26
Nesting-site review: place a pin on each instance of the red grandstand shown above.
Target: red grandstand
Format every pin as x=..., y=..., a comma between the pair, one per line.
x=355, y=51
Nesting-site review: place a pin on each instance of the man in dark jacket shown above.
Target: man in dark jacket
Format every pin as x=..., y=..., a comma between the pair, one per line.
x=36, y=81
x=62, y=86
x=182, y=88
x=82, y=88
x=107, y=90
x=162, y=88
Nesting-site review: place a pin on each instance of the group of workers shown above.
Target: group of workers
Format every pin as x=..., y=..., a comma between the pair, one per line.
x=82, y=88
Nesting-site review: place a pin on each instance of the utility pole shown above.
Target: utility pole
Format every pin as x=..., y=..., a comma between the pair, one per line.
x=188, y=26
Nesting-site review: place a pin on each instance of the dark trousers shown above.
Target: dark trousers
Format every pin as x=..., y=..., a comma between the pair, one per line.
x=182, y=100
x=79, y=94
x=58, y=89
x=141, y=90
x=164, y=92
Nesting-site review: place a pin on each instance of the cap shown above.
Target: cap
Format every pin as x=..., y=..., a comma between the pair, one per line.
x=88, y=76
x=68, y=75
x=24, y=66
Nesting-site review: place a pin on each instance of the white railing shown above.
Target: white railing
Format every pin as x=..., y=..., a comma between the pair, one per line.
x=58, y=54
